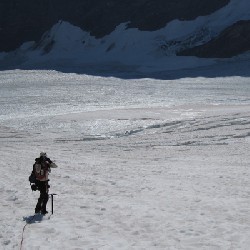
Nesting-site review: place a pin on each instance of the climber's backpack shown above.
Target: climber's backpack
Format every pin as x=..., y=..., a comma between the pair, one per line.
x=32, y=178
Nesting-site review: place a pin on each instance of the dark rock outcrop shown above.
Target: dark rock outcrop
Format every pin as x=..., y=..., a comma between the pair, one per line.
x=231, y=42
x=27, y=20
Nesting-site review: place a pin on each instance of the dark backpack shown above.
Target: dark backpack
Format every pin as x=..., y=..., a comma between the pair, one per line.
x=33, y=182
x=32, y=178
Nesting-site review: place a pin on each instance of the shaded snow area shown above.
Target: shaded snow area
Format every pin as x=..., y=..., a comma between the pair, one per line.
x=143, y=163
x=65, y=45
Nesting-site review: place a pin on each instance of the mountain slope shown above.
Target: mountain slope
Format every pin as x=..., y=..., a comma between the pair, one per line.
x=232, y=41
x=25, y=20
x=223, y=33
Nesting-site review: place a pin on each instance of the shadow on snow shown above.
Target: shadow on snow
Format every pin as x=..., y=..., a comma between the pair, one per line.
x=33, y=218
x=223, y=68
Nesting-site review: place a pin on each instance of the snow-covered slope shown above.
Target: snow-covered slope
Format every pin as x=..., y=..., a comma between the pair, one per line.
x=66, y=44
x=143, y=163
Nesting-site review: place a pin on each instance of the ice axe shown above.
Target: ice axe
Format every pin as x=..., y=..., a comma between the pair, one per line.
x=52, y=202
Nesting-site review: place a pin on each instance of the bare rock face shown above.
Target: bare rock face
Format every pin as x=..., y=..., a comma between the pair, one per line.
x=27, y=20
x=232, y=41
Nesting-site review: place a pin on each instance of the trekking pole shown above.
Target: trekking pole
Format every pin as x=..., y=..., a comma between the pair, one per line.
x=52, y=201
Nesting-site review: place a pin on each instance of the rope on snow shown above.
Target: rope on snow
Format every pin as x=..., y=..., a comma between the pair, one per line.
x=31, y=219
x=28, y=222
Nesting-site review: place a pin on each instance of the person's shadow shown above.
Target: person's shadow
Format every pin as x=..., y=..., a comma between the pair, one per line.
x=33, y=218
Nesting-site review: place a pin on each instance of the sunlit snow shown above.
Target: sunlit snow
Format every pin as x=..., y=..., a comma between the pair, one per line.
x=143, y=163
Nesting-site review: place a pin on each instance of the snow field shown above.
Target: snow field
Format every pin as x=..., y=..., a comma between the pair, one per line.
x=148, y=170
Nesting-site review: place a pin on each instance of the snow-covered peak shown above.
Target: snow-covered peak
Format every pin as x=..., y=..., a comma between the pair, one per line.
x=130, y=46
